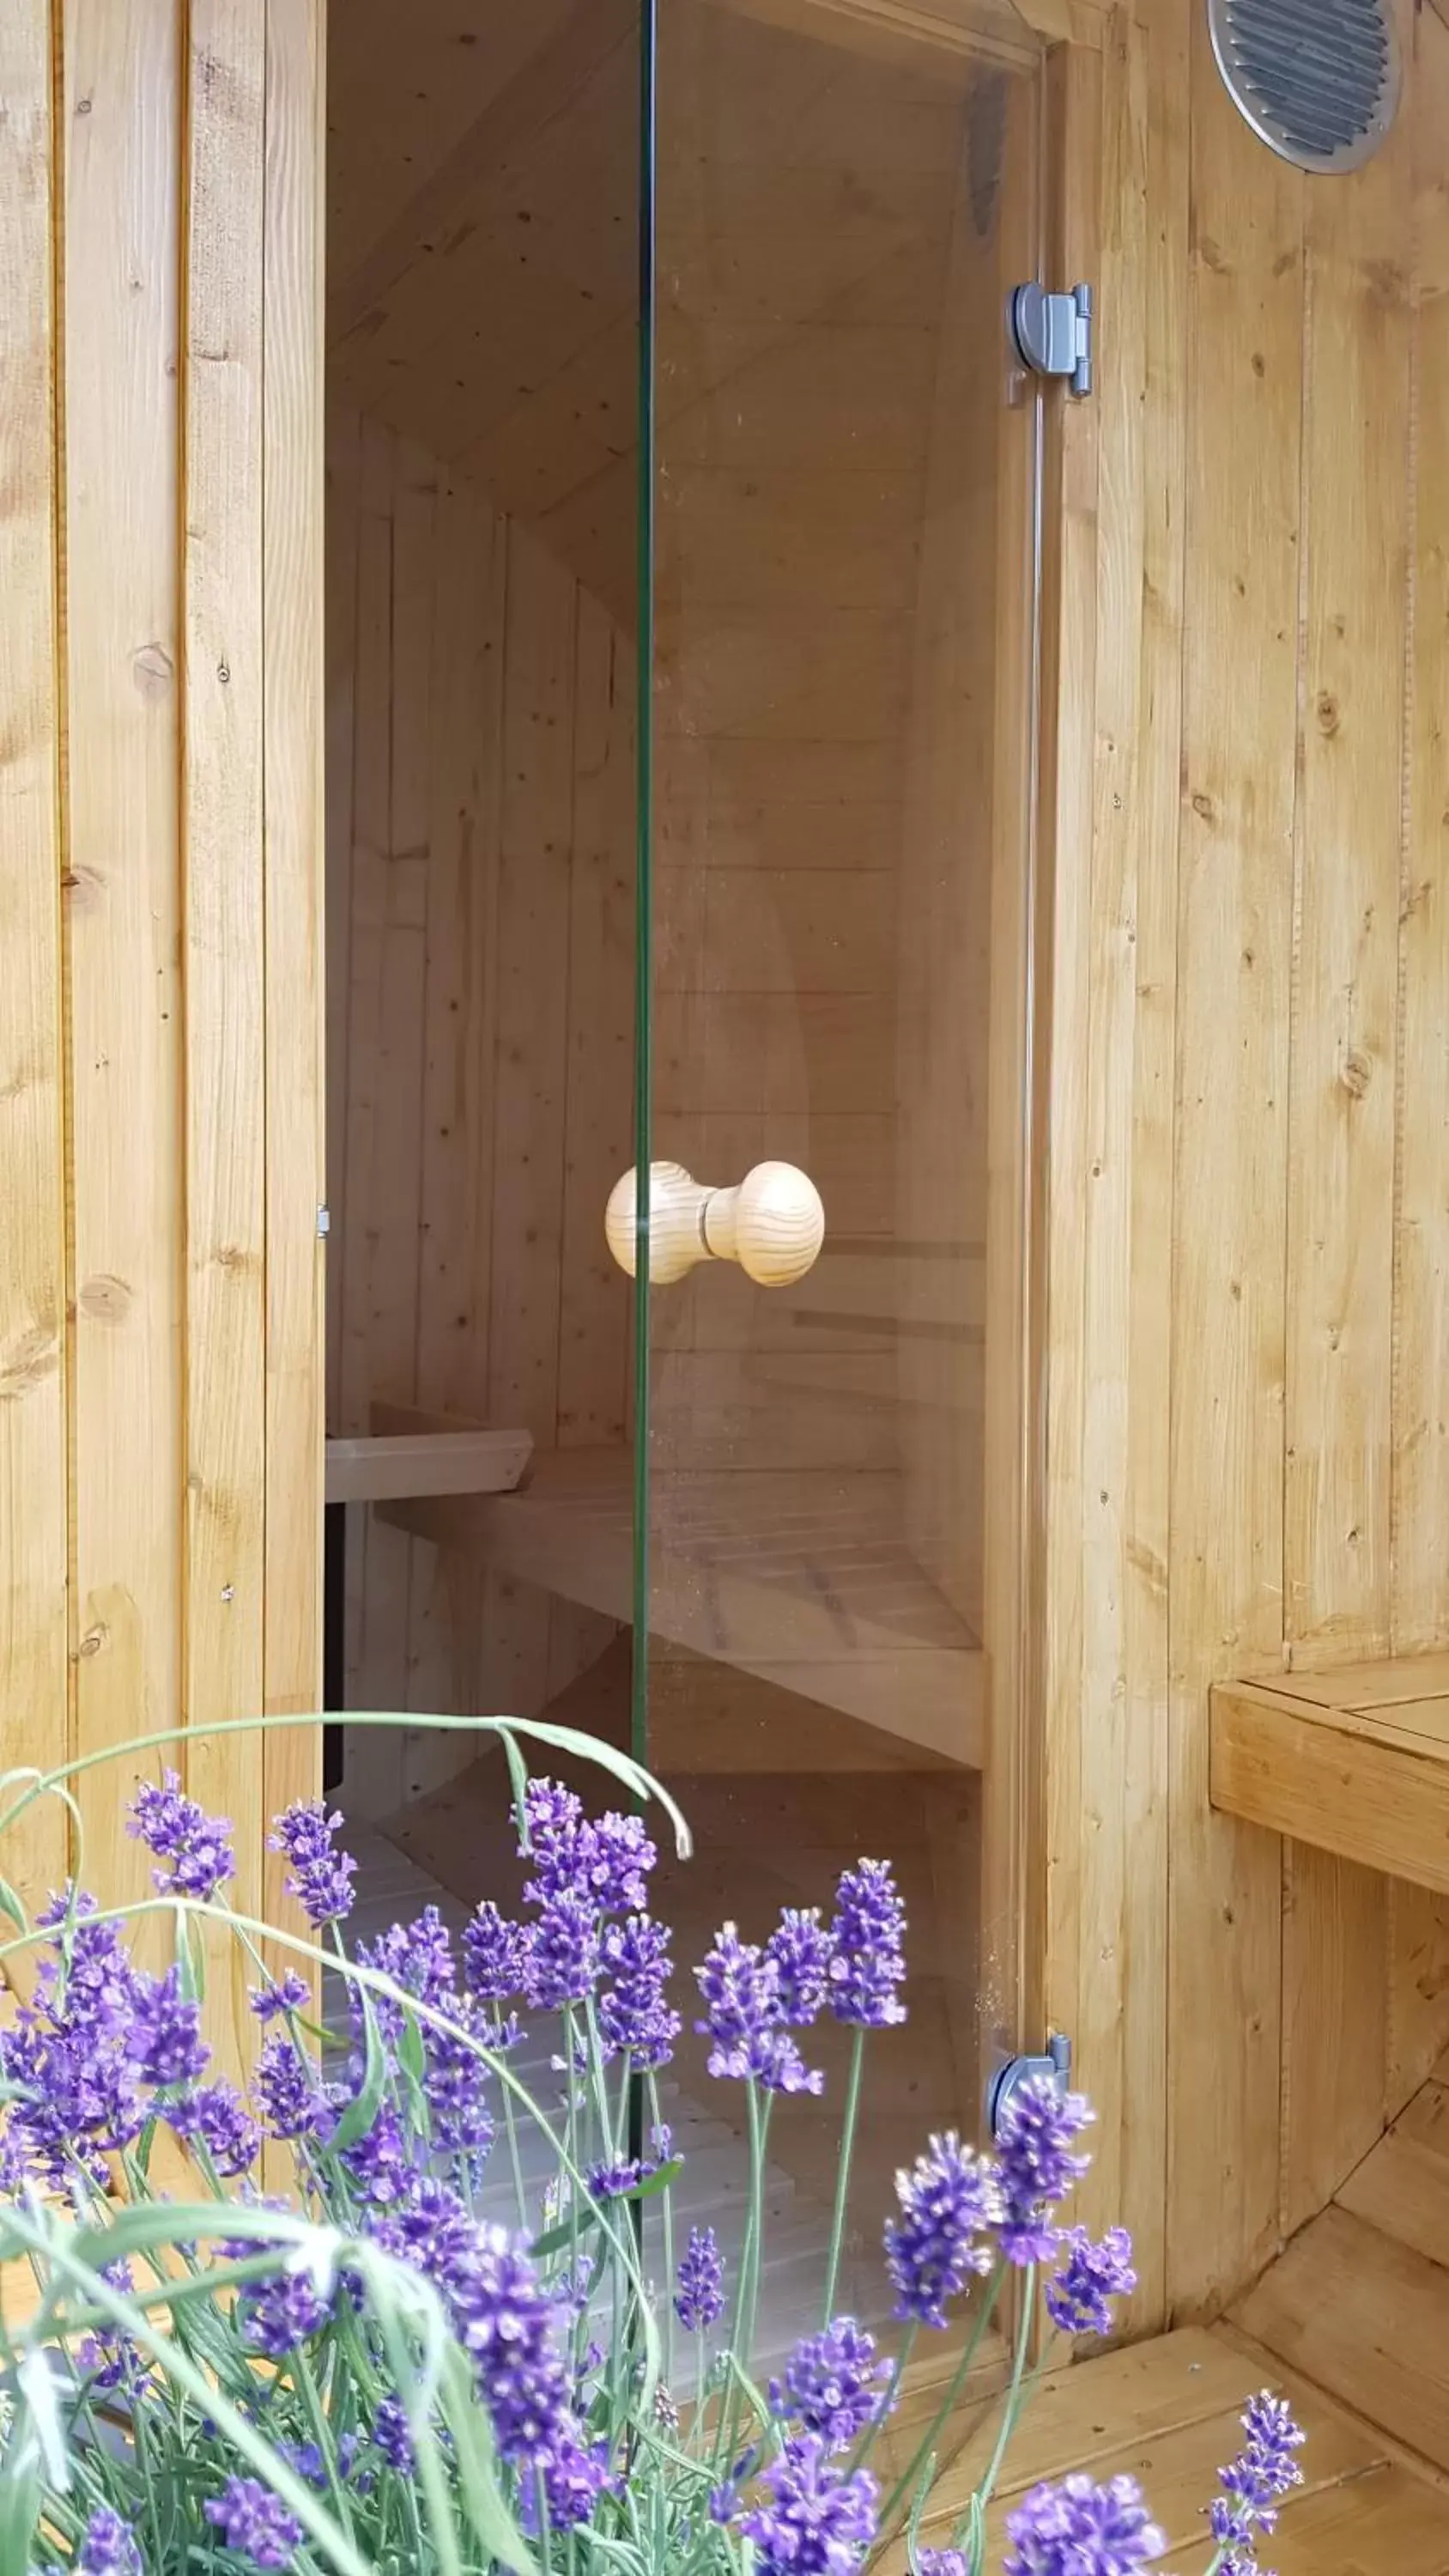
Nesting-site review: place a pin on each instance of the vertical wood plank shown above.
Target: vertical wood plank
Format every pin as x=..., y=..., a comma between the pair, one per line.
x=34, y=1667
x=529, y=1087
x=294, y=813
x=122, y=333
x=1130, y=1143
x=1419, y=1950
x=1339, y=1369
x=1341, y=1164
x=373, y=1767
x=394, y=1201
x=342, y=516
x=1069, y=644
x=458, y=1021
x=224, y=923
x=594, y=1303
x=1230, y=1189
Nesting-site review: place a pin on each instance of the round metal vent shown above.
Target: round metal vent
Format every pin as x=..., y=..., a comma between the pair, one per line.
x=1317, y=79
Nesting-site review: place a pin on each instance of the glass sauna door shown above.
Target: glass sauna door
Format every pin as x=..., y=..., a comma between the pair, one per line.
x=844, y=465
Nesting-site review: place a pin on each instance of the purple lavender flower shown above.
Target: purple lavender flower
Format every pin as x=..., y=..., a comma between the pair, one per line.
x=378, y=2163
x=217, y=2117
x=1079, y=2298
x=1077, y=2529
x=633, y=2013
x=286, y=2086
x=321, y=1878
x=699, y=2294
x=277, y=2315
x=107, y=2548
x=800, y=1953
x=605, y=1861
x=941, y=2562
x=177, y=1830
x=291, y=1995
x=255, y=2523
x=950, y=2201
x=867, y=1961
x=456, y=2079
x=417, y=1956
x=166, y=2039
x=391, y=2433
x=741, y=1990
x=110, y=2357
x=1255, y=2482
x=814, y=2519
x=563, y=1952
x=618, y=1858
x=832, y=2383
x=1037, y=2166
x=615, y=2181
x=494, y=1954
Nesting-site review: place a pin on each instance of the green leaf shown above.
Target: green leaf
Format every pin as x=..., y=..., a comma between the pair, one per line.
x=483, y=2496
x=570, y=2231
x=410, y=2055
x=188, y=1960
x=10, y=1904
x=19, y=2493
x=362, y=2110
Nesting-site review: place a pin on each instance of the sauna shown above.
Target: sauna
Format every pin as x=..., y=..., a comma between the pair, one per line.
x=726, y=1019
x=766, y=1521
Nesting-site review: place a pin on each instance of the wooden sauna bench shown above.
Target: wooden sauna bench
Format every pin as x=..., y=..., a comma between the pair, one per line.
x=801, y=1577
x=1356, y=1761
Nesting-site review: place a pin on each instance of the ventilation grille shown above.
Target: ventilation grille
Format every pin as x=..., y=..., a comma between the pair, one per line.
x=1317, y=79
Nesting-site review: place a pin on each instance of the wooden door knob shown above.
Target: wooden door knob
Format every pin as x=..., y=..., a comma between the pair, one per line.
x=772, y=1224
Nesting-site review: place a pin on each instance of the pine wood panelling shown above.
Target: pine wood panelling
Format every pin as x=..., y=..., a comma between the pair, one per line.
x=1283, y=1323
x=1235, y=922
x=1418, y=2003
x=122, y=230
x=159, y=1103
x=224, y=936
x=294, y=825
x=486, y=730
x=33, y=1336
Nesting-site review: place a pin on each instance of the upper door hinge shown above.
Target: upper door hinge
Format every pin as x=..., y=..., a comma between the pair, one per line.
x=1053, y=333
x=1054, y=2066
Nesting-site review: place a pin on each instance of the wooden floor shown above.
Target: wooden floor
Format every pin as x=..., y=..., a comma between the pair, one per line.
x=1360, y=2299
x=1166, y=2413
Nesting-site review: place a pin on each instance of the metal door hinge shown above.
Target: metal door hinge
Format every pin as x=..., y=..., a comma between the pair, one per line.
x=1053, y=333
x=324, y=1222
x=1056, y=2065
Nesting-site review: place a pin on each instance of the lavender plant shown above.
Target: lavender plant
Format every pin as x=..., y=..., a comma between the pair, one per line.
x=326, y=2351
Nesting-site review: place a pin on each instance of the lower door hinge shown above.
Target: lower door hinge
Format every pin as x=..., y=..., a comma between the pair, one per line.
x=1053, y=333
x=1056, y=2065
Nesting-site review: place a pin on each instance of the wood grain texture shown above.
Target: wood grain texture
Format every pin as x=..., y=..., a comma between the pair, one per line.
x=124, y=926
x=225, y=948
x=1235, y=932
x=34, y=1669
x=293, y=576
x=1356, y=1787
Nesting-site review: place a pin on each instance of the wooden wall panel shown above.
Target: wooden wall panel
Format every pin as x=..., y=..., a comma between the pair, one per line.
x=1293, y=978
x=34, y=1665
x=122, y=238
x=224, y=953
x=480, y=755
x=160, y=648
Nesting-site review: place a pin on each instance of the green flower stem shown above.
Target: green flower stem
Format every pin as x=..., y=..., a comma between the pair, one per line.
x=842, y=2172
x=887, y=2406
x=1009, y=2412
x=305, y=2379
x=514, y=2158
x=907, y=2479
x=667, y=2222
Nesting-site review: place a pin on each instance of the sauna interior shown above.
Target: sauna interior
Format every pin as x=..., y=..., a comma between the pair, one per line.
x=834, y=953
